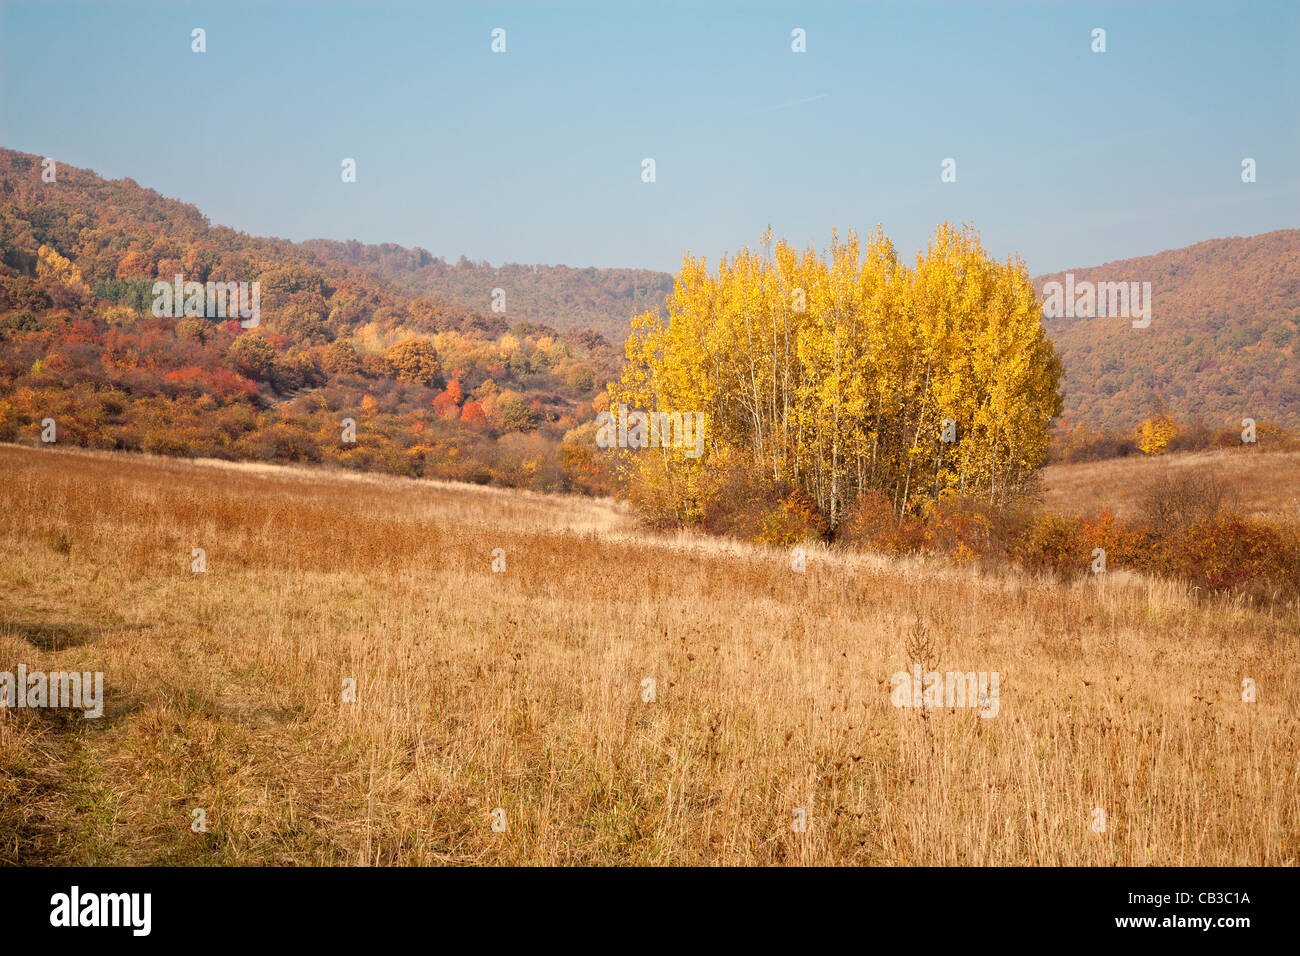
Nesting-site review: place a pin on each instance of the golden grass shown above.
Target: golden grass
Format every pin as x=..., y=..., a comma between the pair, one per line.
x=1264, y=484
x=523, y=690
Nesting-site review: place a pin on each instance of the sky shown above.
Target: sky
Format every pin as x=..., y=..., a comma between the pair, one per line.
x=1066, y=157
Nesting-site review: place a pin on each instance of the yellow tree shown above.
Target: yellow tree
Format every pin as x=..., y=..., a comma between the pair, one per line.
x=850, y=372
x=1156, y=431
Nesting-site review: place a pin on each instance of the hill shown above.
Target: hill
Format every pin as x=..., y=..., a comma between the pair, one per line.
x=1222, y=345
x=602, y=300
x=79, y=258
x=431, y=388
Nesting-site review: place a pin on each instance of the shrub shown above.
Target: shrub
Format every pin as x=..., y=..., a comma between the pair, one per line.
x=792, y=519
x=165, y=443
x=1053, y=543
x=1126, y=546
x=873, y=523
x=1175, y=500
x=731, y=494
x=1229, y=553
x=960, y=527
x=1186, y=536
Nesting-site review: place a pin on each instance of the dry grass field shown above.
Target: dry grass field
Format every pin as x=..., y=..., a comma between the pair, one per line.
x=1263, y=484
x=523, y=690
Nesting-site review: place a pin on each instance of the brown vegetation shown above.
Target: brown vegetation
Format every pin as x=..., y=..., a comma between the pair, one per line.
x=1264, y=485
x=522, y=690
x=1221, y=344
x=432, y=389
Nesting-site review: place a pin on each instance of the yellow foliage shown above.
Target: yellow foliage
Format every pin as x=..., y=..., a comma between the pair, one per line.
x=1155, y=433
x=851, y=371
x=51, y=265
x=120, y=315
x=508, y=345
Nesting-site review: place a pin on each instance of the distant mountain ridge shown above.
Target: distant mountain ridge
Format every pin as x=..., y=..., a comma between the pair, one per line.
x=564, y=298
x=1222, y=343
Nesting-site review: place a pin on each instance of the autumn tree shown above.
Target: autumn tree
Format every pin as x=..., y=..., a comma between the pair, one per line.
x=447, y=402
x=302, y=322
x=1155, y=433
x=252, y=355
x=341, y=356
x=850, y=372
x=472, y=415
x=516, y=415
x=51, y=265
x=415, y=360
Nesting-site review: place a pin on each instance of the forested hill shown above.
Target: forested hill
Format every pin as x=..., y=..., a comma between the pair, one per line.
x=603, y=300
x=430, y=388
x=1222, y=345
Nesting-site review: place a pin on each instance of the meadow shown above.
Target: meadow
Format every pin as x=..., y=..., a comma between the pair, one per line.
x=1261, y=484
x=507, y=716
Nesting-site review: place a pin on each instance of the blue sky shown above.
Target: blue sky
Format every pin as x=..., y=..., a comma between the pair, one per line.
x=1067, y=157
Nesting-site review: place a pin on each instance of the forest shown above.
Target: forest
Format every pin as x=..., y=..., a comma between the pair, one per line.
x=342, y=367
x=569, y=299
x=1221, y=344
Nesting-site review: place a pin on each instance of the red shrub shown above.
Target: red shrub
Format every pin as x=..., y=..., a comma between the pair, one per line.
x=1233, y=553
x=872, y=523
